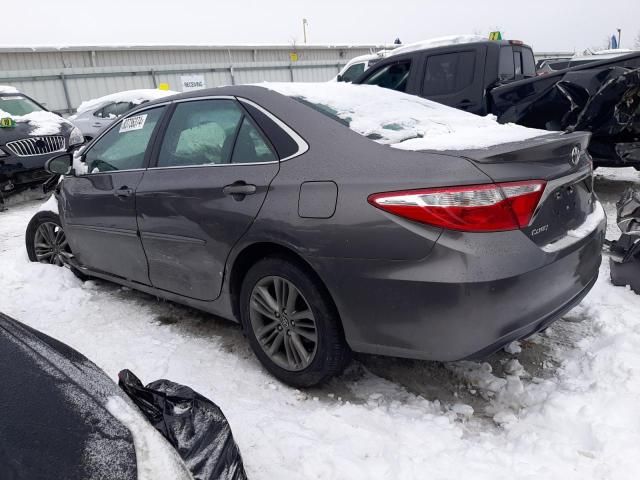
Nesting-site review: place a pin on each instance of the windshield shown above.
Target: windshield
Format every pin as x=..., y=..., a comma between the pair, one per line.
x=18, y=105
x=400, y=120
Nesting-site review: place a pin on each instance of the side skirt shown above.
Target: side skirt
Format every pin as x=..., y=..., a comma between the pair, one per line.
x=220, y=306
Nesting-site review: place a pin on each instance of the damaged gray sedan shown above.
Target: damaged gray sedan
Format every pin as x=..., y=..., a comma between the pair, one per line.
x=330, y=218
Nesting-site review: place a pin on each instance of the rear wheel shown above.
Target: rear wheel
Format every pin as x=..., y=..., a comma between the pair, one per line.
x=292, y=325
x=46, y=241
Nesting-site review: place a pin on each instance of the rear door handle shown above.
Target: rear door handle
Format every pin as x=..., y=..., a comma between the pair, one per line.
x=123, y=192
x=238, y=190
x=464, y=103
x=97, y=124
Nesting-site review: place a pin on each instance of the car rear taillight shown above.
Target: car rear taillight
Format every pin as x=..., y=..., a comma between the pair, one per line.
x=471, y=208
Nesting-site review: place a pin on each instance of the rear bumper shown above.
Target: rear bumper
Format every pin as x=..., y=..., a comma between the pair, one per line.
x=455, y=305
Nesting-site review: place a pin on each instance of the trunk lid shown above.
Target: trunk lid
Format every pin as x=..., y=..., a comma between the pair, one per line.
x=559, y=159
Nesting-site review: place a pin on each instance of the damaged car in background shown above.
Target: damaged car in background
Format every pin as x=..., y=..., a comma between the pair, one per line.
x=485, y=77
x=29, y=136
x=383, y=223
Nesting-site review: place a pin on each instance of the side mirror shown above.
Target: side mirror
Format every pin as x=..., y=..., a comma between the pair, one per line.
x=339, y=78
x=59, y=165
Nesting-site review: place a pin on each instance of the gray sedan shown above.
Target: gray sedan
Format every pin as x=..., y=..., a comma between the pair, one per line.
x=333, y=218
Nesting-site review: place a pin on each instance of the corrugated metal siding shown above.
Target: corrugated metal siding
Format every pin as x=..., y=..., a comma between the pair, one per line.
x=95, y=71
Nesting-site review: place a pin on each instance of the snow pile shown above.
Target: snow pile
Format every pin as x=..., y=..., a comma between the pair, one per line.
x=133, y=96
x=405, y=121
x=438, y=42
x=8, y=89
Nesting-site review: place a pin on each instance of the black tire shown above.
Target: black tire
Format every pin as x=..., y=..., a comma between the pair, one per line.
x=331, y=352
x=35, y=223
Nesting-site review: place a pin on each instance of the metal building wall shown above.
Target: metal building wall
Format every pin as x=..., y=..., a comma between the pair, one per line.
x=62, y=78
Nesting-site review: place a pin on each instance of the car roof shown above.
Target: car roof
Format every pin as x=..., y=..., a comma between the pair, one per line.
x=436, y=44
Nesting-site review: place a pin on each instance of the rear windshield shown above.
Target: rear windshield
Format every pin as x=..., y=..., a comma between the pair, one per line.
x=18, y=105
x=402, y=121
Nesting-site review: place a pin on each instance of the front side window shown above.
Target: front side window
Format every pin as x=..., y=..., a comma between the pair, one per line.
x=448, y=73
x=394, y=76
x=352, y=72
x=212, y=132
x=125, y=145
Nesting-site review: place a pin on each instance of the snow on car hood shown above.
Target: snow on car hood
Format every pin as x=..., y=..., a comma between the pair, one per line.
x=438, y=42
x=134, y=96
x=404, y=121
x=41, y=123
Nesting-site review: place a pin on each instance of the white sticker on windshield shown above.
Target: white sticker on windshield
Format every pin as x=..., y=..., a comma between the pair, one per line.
x=133, y=123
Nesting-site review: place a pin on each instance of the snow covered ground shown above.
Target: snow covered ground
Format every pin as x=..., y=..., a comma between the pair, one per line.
x=562, y=405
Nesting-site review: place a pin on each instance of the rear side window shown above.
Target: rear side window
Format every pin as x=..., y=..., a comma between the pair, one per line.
x=250, y=146
x=285, y=146
x=506, y=70
x=393, y=76
x=200, y=133
x=448, y=73
x=352, y=72
x=528, y=63
x=212, y=132
x=517, y=62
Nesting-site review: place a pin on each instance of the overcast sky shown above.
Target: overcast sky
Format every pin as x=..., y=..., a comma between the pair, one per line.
x=547, y=25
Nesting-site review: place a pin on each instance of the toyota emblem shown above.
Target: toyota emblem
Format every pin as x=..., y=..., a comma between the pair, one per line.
x=575, y=155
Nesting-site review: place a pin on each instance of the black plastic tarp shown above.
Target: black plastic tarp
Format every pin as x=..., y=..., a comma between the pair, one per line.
x=193, y=424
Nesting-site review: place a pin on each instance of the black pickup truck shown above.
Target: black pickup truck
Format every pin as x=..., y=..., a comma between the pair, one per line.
x=499, y=78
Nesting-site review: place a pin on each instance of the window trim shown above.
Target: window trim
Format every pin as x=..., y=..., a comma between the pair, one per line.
x=115, y=124
x=303, y=146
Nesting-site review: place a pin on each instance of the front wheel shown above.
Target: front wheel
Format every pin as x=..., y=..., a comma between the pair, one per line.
x=46, y=241
x=292, y=325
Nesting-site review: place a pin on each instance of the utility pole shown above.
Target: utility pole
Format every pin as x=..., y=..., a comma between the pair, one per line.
x=304, y=29
x=619, y=34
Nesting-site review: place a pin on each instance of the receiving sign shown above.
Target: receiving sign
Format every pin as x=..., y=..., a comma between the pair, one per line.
x=193, y=82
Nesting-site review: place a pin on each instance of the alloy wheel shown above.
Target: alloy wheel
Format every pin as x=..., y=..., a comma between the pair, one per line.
x=50, y=244
x=283, y=323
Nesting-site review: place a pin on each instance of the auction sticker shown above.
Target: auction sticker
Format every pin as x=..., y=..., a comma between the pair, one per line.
x=133, y=123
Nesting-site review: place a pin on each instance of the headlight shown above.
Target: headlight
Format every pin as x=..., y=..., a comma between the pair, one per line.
x=76, y=137
x=3, y=153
